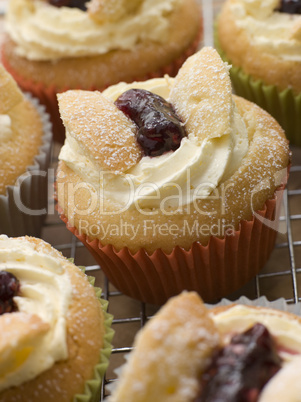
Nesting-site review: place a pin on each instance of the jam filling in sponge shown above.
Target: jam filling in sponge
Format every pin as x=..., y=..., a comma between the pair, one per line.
x=188, y=353
x=143, y=164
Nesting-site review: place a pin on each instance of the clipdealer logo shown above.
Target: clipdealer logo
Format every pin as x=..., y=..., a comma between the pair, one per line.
x=149, y=226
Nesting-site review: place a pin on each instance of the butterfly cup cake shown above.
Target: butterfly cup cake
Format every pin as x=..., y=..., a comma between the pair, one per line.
x=172, y=183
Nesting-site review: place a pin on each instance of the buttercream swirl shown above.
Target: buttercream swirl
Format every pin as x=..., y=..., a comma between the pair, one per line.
x=271, y=31
x=193, y=171
x=286, y=330
x=44, y=32
x=46, y=293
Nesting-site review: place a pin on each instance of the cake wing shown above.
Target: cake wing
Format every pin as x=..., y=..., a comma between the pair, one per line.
x=103, y=132
x=202, y=95
x=169, y=354
x=10, y=94
x=20, y=333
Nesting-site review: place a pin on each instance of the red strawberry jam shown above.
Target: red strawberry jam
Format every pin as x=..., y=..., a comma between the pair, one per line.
x=240, y=370
x=9, y=287
x=159, y=128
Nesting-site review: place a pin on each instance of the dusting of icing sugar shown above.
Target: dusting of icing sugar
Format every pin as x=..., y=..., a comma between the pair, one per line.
x=197, y=102
x=20, y=139
x=170, y=351
x=93, y=123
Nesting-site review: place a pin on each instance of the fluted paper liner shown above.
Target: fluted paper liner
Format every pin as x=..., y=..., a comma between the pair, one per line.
x=48, y=94
x=284, y=106
x=31, y=189
x=278, y=304
x=214, y=271
x=93, y=386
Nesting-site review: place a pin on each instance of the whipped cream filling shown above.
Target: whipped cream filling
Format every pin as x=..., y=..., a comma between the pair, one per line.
x=46, y=292
x=285, y=385
x=270, y=31
x=171, y=180
x=5, y=127
x=44, y=32
x=286, y=330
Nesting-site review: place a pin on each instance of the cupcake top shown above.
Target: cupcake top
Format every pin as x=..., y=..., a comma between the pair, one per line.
x=21, y=131
x=50, y=30
x=244, y=354
x=101, y=143
x=33, y=318
x=169, y=153
x=273, y=26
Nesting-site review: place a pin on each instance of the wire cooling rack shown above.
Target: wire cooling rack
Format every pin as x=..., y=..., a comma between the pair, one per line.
x=279, y=278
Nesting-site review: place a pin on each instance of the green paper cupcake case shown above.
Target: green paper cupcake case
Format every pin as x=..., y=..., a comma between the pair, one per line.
x=284, y=106
x=93, y=386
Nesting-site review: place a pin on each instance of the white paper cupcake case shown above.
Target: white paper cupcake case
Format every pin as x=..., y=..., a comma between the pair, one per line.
x=279, y=304
x=30, y=188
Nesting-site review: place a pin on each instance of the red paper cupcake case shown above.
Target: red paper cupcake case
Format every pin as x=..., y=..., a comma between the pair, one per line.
x=214, y=271
x=47, y=95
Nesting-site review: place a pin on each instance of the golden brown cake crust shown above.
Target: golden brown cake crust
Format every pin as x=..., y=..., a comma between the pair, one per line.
x=19, y=147
x=84, y=322
x=19, y=150
x=119, y=65
x=10, y=94
x=238, y=49
x=268, y=154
